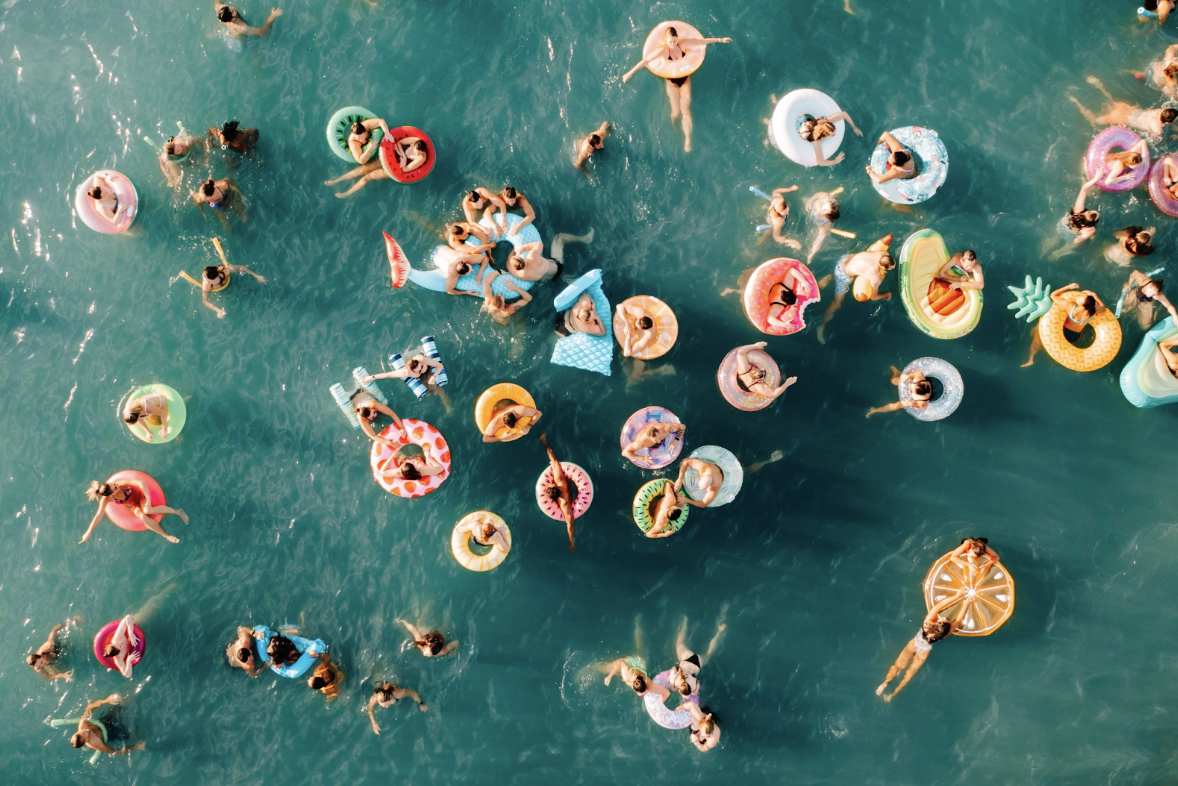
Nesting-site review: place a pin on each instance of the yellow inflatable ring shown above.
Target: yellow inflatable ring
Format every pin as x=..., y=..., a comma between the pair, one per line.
x=1098, y=355
x=993, y=595
x=460, y=544
x=673, y=69
x=200, y=285
x=666, y=327
x=492, y=402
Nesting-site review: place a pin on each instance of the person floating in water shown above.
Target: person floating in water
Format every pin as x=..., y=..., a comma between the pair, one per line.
x=43, y=660
x=559, y=492
x=528, y=262
x=1079, y=223
x=823, y=208
x=705, y=730
x=385, y=694
x=175, y=152
x=901, y=164
x=232, y=138
x=1141, y=293
x=590, y=144
x=915, y=653
x=432, y=644
x=92, y=733
x=509, y=418
x=480, y=202
x=678, y=89
x=922, y=393
x=864, y=273
x=1079, y=315
x=219, y=195
x=1132, y=243
x=241, y=653
x=459, y=232
x=411, y=152
x=149, y=410
x=778, y=213
x=652, y=436
x=236, y=26
x=684, y=676
x=966, y=261
x=1151, y=122
x=216, y=277
x=974, y=555
x=326, y=677
x=1163, y=74
x=105, y=198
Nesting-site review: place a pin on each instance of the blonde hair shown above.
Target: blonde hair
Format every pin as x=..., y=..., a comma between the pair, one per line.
x=1126, y=157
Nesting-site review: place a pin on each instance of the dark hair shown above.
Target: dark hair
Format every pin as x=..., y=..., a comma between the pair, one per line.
x=76, y=739
x=433, y=640
x=104, y=490
x=639, y=683
x=110, y=650
x=212, y=272
x=788, y=296
x=244, y=654
x=834, y=209
x=225, y=14
x=509, y=192
x=474, y=195
x=552, y=492
x=594, y=139
x=673, y=31
x=358, y=128
x=1090, y=304
x=901, y=157
x=1150, y=5
x=968, y=254
x=170, y=146
x=645, y=323
x=384, y=689
x=674, y=514
x=923, y=388
x=209, y=187
x=977, y=545
x=561, y=328
x=1157, y=282
x=282, y=651
x=229, y=130
x=318, y=682
x=95, y=193
x=1171, y=69
x=510, y=419
x=32, y=658
x=457, y=229
x=133, y=415
x=1169, y=115
x=462, y=268
x=888, y=262
x=409, y=471
x=935, y=630
x=366, y=412
x=519, y=263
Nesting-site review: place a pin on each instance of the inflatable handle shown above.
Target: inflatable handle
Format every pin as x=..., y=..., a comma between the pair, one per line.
x=1146, y=14
x=763, y=227
x=760, y=193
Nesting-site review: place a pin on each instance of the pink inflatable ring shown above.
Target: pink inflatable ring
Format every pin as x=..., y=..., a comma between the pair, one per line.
x=123, y=516
x=1103, y=144
x=432, y=444
x=578, y=478
x=757, y=294
x=124, y=192
x=1161, y=196
x=103, y=637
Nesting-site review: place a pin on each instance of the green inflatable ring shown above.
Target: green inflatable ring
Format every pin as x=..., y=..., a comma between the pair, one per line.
x=728, y=464
x=177, y=413
x=340, y=125
x=642, y=501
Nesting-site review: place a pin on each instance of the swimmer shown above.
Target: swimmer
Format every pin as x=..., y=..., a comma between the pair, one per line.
x=815, y=129
x=457, y=233
x=705, y=731
x=1132, y=242
x=633, y=671
x=326, y=677
x=581, y=318
x=236, y=26
x=175, y=152
x=240, y=653
x=863, y=272
x=105, y=199
x=485, y=533
x=824, y=211
x=684, y=676
x=478, y=202
x=411, y=152
x=92, y=732
x=1079, y=315
x=638, y=331
x=417, y=367
x=233, y=138
x=709, y=479
x=668, y=509
x=969, y=554
x=149, y=410
x=1080, y=222
x=654, y=435
x=1141, y=293
x=282, y=651
x=678, y=89
x=367, y=411
x=497, y=305
x=1119, y=167
x=922, y=393
x=509, y=417
x=591, y=143
x=1163, y=74
x=1150, y=122
x=778, y=213
x=134, y=495
x=514, y=199
x=432, y=644
x=559, y=491
x=901, y=164
x=1159, y=8
x=752, y=377
x=915, y=653
x=219, y=194
x=215, y=277
x=967, y=261
x=363, y=149
x=121, y=646
x=416, y=467
x=386, y=694
x=1168, y=355
x=529, y=263
x=44, y=658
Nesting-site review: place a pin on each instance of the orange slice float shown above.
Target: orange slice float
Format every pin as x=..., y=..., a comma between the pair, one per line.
x=993, y=594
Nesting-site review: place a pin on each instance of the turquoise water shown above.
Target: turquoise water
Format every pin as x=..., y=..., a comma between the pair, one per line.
x=816, y=569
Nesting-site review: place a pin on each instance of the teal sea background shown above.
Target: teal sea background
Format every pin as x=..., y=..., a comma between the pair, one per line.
x=816, y=568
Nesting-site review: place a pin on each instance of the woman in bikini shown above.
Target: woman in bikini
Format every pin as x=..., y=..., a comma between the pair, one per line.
x=402, y=467
x=1141, y=293
x=684, y=676
x=220, y=194
x=777, y=215
x=215, y=277
x=105, y=199
x=385, y=694
x=638, y=331
x=364, y=150
x=973, y=555
x=122, y=645
x=508, y=417
x=231, y=138
x=560, y=491
x=678, y=89
x=922, y=393
x=1079, y=315
x=752, y=377
x=668, y=509
x=653, y=435
x=149, y=410
x=916, y=652
x=432, y=644
x=1120, y=167
x=783, y=300
x=705, y=731
x=411, y=153
x=901, y=165
x=176, y=151
x=1150, y=122
x=457, y=234
x=42, y=660
x=634, y=674
x=134, y=495
x=1132, y=242
x=815, y=129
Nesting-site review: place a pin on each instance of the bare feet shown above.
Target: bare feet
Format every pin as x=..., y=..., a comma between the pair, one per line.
x=183, y=516
x=879, y=691
x=821, y=334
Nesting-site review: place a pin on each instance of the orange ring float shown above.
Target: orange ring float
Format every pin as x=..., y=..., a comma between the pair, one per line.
x=993, y=594
x=673, y=69
x=1090, y=358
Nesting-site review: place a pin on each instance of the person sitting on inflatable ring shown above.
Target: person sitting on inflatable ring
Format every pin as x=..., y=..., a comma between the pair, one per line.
x=654, y=435
x=1119, y=166
x=364, y=150
x=1132, y=242
x=398, y=467
x=175, y=151
x=1079, y=315
x=752, y=377
x=1150, y=122
x=134, y=495
x=1141, y=293
x=559, y=491
x=901, y=164
x=705, y=730
x=709, y=480
x=485, y=533
x=678, y=88
x=823, y=208
x=922, y=392
x=968, y=555
x=411, y=152
x=459, y=231
x=777, y=215
x=581, y=318
x=1170, y=175
x=121, y=646
x=509, y=417
x=481, y=202
x=633, y=670
x=432, y=644
x=864, y=273
x=684, y=676
x=385, y=694
x=152, y=410
x=90, y=734
x=528, y=262
x=106, y=202
x=43, y=658
x=815, y=129
x=326, y=677
x=595, y=141
x=966, y=261
x=514, y=199
x=236, y=26
x=783, y=301
x=219, y=194
x=368, y=410
x=240, y=653
x=915, y=653
x=233, y=138
x=667, y=511
x=638, y=330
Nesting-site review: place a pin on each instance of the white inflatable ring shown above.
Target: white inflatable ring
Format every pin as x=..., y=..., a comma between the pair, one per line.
x=789, y=114
x=124, y=192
